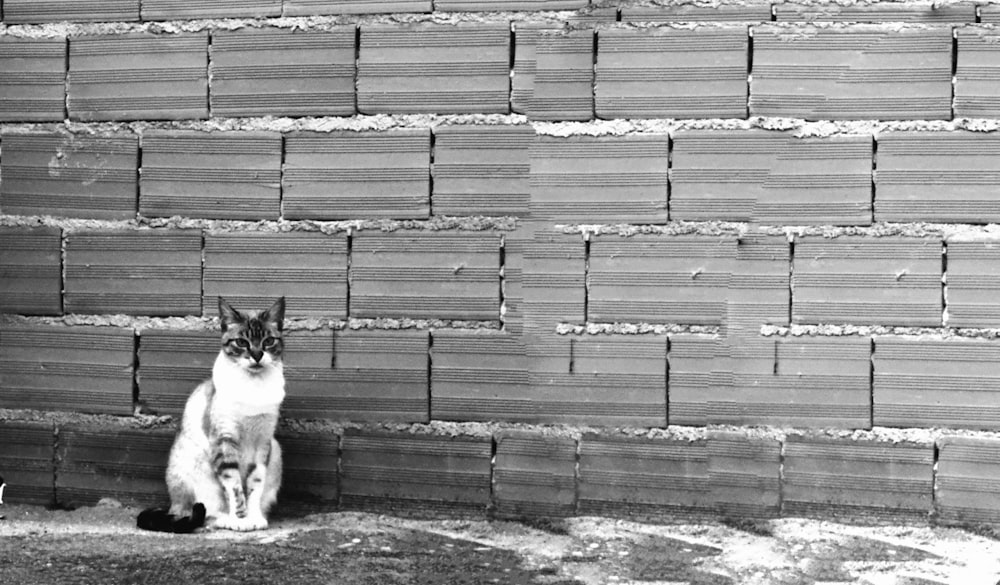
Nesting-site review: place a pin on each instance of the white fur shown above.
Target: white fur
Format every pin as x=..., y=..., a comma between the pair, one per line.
x=259, y=392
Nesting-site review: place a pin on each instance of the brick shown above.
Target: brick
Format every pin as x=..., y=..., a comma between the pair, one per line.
x=415, y=472
x=223, y=175
x=31, y=270
x=479, y=375
x=680, y=279
x=33, y=88
x=84, y=369
x=973, y=281
x=434, y=68
x=346, y=175
x=553, y=73
x=853, y=72
x=27, y=462
x=915, y=12
x=554, y=278
x=252, y=269
x=584, y=179
x=807, y=382
x=534, y=475
x=690, y=13
x=190, y=9
x=323, y=7
x=857, y=477
x=128, y=465
x=936, y=383
x=171, y=365
x=885, y=281
x=482, y=170
x=989, y=14
x=70, y=175
x=967, y=473
x=309, y=470
x=672, y=73
x=507, y=5
x=691, y=358
x=37, y=11
x=357, y=375
x=976, y=73
x=744, y=474
x=134, y=272
x=138, y=76
x=651, y=477
x=760, y=283
x=937, y=177
x=446, y=275
x=771, y=177
x=280, y=72
x=599, y=380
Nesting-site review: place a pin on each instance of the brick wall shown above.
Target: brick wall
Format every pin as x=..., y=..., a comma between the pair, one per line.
x=554, y=256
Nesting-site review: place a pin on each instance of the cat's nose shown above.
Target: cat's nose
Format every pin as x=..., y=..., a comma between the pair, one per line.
x=257, y=355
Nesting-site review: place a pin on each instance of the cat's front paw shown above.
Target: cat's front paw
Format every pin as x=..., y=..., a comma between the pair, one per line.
x=245, y=524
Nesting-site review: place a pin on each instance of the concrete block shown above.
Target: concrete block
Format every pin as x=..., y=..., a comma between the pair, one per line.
x=553, y=72
x=677, y=279
x=967, y=472
x=973, y=280
x=138, y=76
x=829, y=477
x=608, y=179
x=282, y=72
x=534, y=475
x=852, y=72
x=976, y=73
x=647, y=477
x=70, y=175
x=936, y=383
x=415, y=472
x=31, y=270
x=554, y=278
x=324, y=7
x=250, y=270
x=884, y=281
x=434, y=68
x=446, y=275
x=691, y=358
x=744, y=474
x=171, y=365
x=668, y=13
x=191, y=9
x=38, y=11
x=142, y=272
x=357, y=375
x=26, y=462
x=910, y=12
x=216, y=175
x=310, y=481
x=84, y=369
x=33, y=88
x=672, y=73
x=351, y=175
x=479, y=375
x=128, y=465
x=482, y=170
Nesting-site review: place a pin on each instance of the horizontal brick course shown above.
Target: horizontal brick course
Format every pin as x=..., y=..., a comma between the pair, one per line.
x=27, y=462
x=33, y=88
x=31, y=270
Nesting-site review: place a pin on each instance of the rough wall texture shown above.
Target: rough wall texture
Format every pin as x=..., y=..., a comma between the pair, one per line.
x=541, y=256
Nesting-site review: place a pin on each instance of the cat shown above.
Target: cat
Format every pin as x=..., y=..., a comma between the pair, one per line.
x=224, y=469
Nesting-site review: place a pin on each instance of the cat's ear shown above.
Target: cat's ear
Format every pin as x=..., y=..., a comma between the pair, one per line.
x=276, y=314
x=227, y=314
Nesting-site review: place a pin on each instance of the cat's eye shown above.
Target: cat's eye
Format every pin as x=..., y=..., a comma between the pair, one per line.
x=269, y=342
x=242, y=343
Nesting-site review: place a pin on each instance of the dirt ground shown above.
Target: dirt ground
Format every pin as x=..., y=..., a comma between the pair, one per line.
x=100, y=545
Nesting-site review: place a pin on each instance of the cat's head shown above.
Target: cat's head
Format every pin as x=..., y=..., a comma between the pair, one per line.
x=253, y=342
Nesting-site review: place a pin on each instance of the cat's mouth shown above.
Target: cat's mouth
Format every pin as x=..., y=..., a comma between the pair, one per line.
x=256, y=367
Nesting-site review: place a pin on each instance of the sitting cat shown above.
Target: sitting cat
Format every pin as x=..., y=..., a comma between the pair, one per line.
x=225, y=465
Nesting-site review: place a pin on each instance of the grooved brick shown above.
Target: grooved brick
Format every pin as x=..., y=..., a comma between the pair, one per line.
x=553, y=72
x=84, y=369
x=33, y=87
x=309, y=470
x=415, y=471
x=554, y=273
x=444, y=69
x=125, y=464
x=885, y=281
x=967, y=473
x=692, y=359
x=479, y=375
x=584, y=179
x=425, y=275
x=37, y=11
x=279, y=72
x=507, y=5
x=744, y=474
x=349, y=175
x=70, y=175
x=251, y=270
x=139, y=272
x=138, y=76
x=976, y=73
x=672, y=73
x=831, y=476
x=482, y=170
x=534, y=474
x=323, y=7
x=190, y=9
x=917, y=12
x=31, y=270
x=989, y=14
x=27, y=462
x=171, y=365
x=973, y=281
x=760, y=284
x=224, y=175
x=671, y=13
x=853, y=72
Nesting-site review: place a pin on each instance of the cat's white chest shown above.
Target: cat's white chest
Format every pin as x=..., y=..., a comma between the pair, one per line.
x=249, y=394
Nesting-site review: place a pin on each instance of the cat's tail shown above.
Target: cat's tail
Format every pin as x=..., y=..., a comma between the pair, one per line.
x=160, y=520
